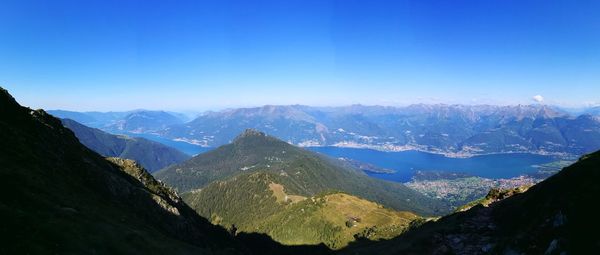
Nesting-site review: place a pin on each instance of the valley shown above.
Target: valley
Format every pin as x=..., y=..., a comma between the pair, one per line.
x=260, y=185
x=454, y=180
x=482, y=172
x=324, y=127
x=461, y=191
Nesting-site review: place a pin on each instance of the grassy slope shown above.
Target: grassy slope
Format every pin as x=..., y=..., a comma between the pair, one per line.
x=302, y=173
x=334, y=220
x=255, y=202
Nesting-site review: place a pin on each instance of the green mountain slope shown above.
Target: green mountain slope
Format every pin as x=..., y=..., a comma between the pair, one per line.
x=259, y=184
x=151, y=155
x=59, y=197
x=556, y=216
x=336, y=219
x=257, y=202
x=301, y=172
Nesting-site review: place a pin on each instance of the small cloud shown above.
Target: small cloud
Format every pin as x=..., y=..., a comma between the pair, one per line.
x=538, y=98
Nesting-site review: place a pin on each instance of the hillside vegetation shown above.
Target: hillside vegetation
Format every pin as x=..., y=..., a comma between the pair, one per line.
x=151, y=155
x=336, y=219
x=301, y=172
x=256, y=202
x=259, y=184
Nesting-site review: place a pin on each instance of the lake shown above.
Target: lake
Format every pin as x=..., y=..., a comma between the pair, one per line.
x=187, y=148
x=407, y=162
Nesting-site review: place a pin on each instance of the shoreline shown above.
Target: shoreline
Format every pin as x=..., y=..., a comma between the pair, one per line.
x=559, y=155
x=396, y=148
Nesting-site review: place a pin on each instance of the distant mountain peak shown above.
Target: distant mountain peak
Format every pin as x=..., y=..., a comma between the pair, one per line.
x=294, y=112
x=548, y=112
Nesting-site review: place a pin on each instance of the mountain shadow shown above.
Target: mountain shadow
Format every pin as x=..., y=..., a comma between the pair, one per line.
x=61, y=197
x=556, y=216
x=150, y=154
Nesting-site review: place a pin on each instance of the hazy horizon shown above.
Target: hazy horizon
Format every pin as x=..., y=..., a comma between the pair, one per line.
x=40, y=101
x=192, y=112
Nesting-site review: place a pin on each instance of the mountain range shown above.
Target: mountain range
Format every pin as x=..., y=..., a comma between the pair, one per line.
x=59, y=196
x=300, y=171
x=149, y=154
x=137, y=121
x=453, y=130
x=593, y=111
x=259, y=183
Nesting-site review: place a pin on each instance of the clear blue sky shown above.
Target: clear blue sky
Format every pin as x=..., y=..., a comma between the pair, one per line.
x=119, y=55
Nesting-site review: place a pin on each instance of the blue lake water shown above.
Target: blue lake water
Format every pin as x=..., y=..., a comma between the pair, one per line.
x=407, y=162
x=187, y=148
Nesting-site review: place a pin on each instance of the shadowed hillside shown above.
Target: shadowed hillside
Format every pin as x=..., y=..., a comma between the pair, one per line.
x=151, y=155
x=65, y=198
x=555, y=216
